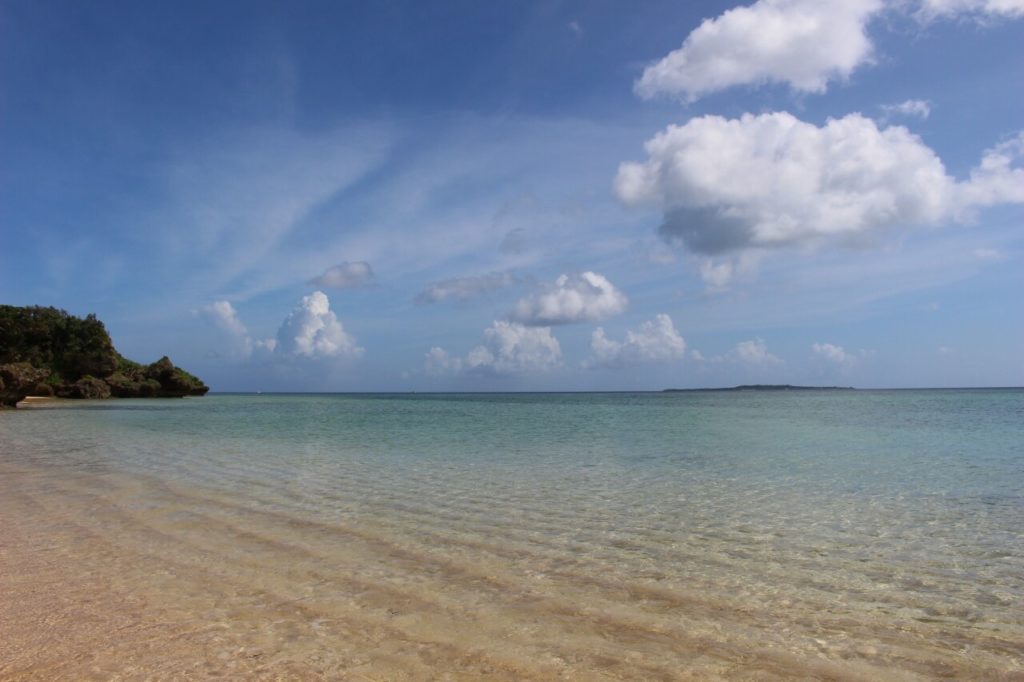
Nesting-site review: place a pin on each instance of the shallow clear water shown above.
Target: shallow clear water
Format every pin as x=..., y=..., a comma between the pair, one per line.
x=752, y=535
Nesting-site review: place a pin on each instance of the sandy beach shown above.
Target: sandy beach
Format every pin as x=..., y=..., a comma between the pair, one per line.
x=120, y=579
x=266, y=555
x=524, y=341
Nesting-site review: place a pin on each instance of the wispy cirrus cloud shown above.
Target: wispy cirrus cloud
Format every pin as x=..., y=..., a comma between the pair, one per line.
x=464, y=288
x=977, y=9
x=229, y=206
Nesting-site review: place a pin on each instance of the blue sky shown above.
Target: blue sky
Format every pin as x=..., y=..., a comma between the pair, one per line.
x=524, y=196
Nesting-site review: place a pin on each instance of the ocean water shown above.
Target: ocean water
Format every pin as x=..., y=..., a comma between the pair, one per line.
x=715, y=535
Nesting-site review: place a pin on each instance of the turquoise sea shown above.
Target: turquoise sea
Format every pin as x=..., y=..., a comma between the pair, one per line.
x=695, y=535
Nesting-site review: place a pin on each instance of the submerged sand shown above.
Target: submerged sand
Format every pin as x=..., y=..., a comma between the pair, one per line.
x=108, y=576
x=177, y=540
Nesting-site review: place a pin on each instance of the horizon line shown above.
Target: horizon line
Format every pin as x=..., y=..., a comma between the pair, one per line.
x=651, y=390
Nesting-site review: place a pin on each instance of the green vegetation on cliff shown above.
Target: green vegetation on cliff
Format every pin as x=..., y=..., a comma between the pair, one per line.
x=46, y=351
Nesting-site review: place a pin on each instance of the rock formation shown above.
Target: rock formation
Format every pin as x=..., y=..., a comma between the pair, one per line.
x=46, y=351
x=18, y=380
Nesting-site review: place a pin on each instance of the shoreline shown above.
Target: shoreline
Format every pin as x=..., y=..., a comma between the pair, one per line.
x=38, y=400
x=291, y=539
x=141, y=578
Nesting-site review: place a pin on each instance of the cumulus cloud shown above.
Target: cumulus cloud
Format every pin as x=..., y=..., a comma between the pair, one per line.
x=656, y=341
x=716, y=275
x=345, y=276
x=912, y=107
x=999, y=177
x=585, y=297
x=753, y=352
x=833, y=354
x=931, y=9
x=439, y=362
x=462, y=288
x=224, y=315
x=507, y=348
x=771, y=180
x=804, y=43
x=311, y=330
x=719, y=273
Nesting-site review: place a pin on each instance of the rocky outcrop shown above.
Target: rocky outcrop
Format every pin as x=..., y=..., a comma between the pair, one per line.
x=132, y=380
x=18, y=381
x=158, y=380
x=124, y=385
x=49, y=352
x=87, y=387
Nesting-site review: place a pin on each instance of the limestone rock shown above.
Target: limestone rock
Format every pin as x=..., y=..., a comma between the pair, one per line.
x=17, y=380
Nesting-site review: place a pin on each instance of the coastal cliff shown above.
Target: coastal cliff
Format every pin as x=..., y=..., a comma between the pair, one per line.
x=48, y=352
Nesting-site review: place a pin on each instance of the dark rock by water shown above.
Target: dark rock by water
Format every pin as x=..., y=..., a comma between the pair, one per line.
x=18, y=380
x=46, y=351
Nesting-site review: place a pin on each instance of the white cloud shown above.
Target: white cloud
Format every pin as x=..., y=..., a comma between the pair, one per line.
x=345, y=276
x=716, y=275
x=719, y=273
x=508, y=348
x=912, y=107
x=999, y=177
x=439, y=362
x=311, y=330
x=772, y=180
x=990, y=255
x=576, y=28
x=805, y=43
x=753, y=352
x=656, y=341
x=931, y=9
x=833, y=354
x=232, y=203
x=224, y=315
x=462, y=288
x=586, y=297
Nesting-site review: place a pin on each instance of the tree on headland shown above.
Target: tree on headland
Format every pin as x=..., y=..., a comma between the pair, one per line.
x=74, y=357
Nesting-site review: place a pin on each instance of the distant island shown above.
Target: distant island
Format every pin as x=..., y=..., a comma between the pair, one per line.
x=762, y=387
x=48, y=352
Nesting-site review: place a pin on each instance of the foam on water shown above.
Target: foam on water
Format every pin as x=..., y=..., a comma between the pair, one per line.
x=847, y=535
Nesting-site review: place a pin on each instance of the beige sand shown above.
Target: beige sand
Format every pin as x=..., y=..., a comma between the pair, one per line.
x=109, y=577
